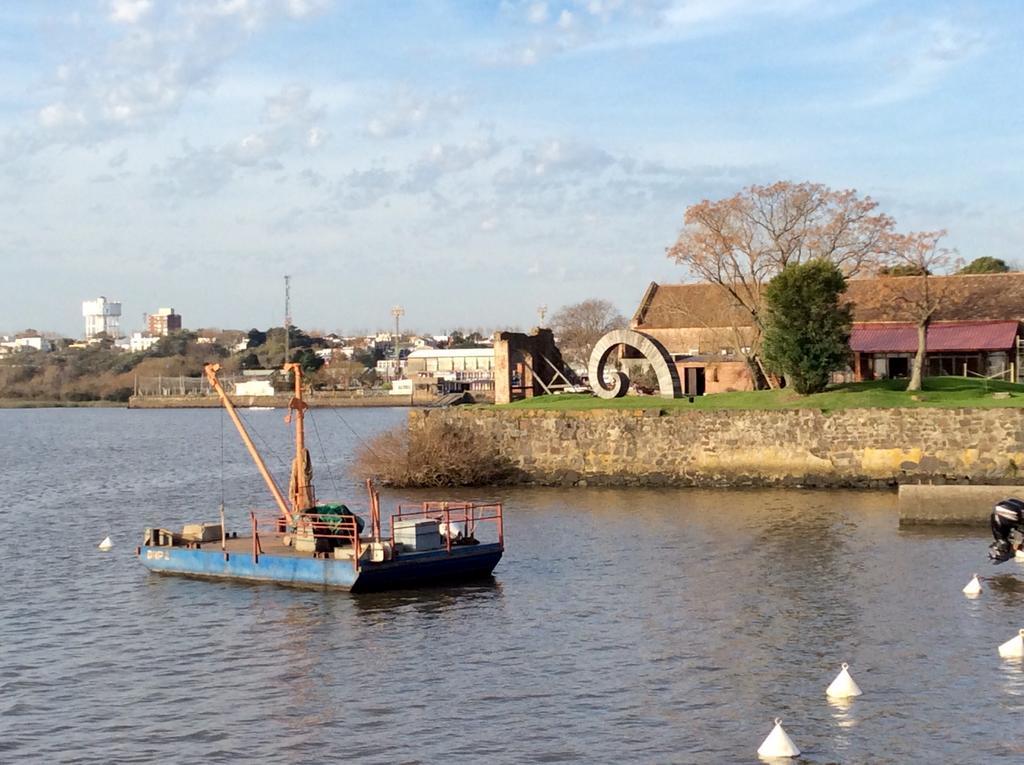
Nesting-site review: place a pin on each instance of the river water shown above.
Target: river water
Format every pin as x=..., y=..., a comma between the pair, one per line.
x=622, y=626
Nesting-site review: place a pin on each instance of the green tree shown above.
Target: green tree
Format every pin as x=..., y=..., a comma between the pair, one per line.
x=174, y=343
x=256, y=338
x=807, y=329
x=249, y=361
x=308, y=360
x=985, y=265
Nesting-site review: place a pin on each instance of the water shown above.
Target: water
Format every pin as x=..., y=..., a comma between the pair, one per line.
x=640, y=626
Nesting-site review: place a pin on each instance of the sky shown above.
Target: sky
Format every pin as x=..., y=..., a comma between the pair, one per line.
x=470, y=161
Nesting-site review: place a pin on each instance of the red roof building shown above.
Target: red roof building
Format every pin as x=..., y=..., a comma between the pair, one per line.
x=975, y=330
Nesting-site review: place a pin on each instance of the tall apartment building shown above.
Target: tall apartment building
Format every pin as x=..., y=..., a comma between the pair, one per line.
x=164, y=321
x=102, y=316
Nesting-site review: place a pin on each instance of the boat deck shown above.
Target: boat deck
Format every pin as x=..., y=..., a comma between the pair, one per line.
x=269, y=545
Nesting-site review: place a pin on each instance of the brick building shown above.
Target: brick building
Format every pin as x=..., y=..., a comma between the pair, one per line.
x=976, y=329
x=163, y=322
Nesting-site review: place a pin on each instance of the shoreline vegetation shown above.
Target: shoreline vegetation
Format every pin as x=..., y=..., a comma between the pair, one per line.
x=438, y=454
x=27, y=403
x=938, y=392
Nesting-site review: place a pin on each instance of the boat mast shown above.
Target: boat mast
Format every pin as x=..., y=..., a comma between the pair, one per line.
x=300, y=488
x=211, y=376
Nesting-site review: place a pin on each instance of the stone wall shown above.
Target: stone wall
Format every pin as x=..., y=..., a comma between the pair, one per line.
x=851, y=448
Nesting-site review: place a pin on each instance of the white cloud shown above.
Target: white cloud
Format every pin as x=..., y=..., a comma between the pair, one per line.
x=917, y=57
x=301, y=8
x=449, y=159
x=193, y=173
x=315, y=137
x=155, y=57
x=557, y=156
x=364, y=188
x=288, y=125
x=608, y=25
x=60, y=116
x=537, y=13
x=409, y=113
x=129, y=11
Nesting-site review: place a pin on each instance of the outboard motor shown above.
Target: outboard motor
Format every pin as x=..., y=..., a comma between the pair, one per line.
x=1007, y=516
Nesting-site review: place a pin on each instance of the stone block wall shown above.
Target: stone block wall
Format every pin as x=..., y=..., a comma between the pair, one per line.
x=851, y=448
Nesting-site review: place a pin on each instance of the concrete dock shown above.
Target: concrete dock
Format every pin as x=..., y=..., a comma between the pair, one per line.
x=928, y=504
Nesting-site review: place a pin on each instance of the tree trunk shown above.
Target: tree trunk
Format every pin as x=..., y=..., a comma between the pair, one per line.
x=756, y=373
x=917, y=371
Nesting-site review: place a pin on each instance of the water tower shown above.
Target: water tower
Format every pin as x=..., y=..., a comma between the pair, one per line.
x=101, y=316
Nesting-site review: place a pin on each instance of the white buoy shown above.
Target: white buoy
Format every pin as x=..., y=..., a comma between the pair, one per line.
x=1019, y=555
x=1013, y=648
x=973, y=587
x=843, y=686
x=778, y=743
x=106, y=544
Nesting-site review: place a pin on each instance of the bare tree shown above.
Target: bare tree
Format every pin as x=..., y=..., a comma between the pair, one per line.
x=742, y=242
x=921, y=256
x=578, y=327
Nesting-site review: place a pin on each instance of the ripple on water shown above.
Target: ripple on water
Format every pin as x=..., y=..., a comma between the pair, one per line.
x=640, y=626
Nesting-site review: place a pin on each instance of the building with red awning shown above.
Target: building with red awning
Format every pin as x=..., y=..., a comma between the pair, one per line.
x=975, y=330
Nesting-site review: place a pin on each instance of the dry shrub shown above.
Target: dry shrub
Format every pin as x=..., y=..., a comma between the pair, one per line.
x=435, y=453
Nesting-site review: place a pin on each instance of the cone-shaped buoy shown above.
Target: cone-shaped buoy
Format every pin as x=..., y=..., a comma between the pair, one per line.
x=973, y=587
x=778, y=743
x=843, y=686
x=106, y=544
x=1013, y=648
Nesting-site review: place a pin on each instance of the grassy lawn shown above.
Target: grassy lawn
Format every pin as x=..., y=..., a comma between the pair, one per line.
x=949, y=392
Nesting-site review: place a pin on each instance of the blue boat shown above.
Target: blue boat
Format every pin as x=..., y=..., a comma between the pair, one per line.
x=309, y=544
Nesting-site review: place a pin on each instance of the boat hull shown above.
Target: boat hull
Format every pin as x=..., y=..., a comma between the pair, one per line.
x=407, y=570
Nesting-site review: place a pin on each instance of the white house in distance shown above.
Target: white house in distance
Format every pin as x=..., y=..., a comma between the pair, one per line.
x=26, y=341
x=452, y=369
x=140, y=342
x=254, y=388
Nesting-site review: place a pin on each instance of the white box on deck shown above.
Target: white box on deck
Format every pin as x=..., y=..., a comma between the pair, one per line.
x=417, y=534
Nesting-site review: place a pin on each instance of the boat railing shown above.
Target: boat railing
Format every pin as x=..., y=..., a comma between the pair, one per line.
x=310, y=526
x=451, y=515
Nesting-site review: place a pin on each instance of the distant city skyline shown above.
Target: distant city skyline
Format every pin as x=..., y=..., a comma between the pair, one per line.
x=468, y=161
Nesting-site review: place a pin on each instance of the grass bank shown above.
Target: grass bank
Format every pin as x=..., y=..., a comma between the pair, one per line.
x=943, y=392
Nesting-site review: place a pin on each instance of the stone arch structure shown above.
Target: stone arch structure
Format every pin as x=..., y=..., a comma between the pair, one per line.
x=668, y=377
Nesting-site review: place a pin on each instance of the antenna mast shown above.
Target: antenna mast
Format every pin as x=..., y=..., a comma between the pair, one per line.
x=287, y=314
x=398, y=312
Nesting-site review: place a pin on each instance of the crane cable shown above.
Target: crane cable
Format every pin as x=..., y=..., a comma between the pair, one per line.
x=359, y=438
x=323, y=451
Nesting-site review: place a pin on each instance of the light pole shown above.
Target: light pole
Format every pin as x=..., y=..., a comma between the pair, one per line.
x=542, y=311
x=398, y=312
x=287, y=315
